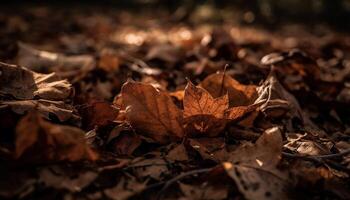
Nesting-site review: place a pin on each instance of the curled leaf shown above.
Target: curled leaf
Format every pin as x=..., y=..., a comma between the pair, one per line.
x=21, y=83
x=38, y=140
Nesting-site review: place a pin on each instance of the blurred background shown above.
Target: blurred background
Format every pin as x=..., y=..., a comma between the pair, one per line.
x=334, y=13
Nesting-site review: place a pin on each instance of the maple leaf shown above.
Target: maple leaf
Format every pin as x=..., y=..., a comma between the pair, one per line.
x=220, y=84
x=151, y=112
x=42, y=140
x=203, y=113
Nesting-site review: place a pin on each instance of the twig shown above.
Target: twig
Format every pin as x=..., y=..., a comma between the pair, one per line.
x=327, y=156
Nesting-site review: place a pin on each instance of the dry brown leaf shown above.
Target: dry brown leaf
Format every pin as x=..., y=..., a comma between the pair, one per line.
x=43, y=141
x=276, y=101
x=203, y=113
x=253, y=168
x=60, y=109
x=23, y=84
x=220, y=84
x=23, y=90
x=98, y=114
x=236, y=113
x=151, y=112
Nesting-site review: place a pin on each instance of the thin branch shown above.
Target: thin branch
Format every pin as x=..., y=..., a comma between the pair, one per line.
x=327, y=156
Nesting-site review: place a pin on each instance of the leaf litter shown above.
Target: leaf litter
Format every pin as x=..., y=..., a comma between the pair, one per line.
x=114, y=112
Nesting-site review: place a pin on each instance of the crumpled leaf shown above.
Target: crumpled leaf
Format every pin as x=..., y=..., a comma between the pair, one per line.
x=220, y=84
x=41, y=140
x=276, y=101
x=253, y=168
x=60, y=109
x=23, y=84
x=307, y=147
x=44, y=61
x=151, y=112
x=23, y=90
x=203, y=113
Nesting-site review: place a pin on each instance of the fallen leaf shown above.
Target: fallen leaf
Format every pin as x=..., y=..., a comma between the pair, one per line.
x=41, y=140
x=203, y=113
x=61, y=110
x=276, y=101
x=98, y=113
x=237, y=113
x=220, y=84
x=253, y=168
x=151, y=112
x=23, y=84
x=23, y=90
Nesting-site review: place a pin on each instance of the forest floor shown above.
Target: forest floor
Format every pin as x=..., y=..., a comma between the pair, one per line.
x=110, y=104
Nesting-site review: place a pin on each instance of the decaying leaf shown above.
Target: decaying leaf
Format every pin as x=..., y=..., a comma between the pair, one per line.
x=151, y=112
x=60, y=109
x=40, y=140
x=23, y=84
x=253, y=168
x=23, y=90
x=276, y=101
x=203, y=113
x=220, y=84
